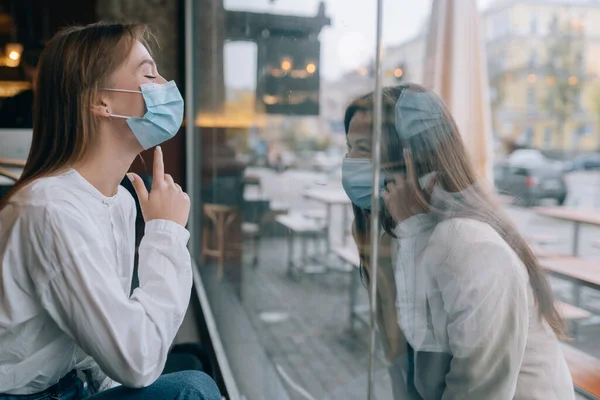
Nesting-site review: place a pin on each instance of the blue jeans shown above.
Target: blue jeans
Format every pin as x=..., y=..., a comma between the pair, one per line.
x=184, y=385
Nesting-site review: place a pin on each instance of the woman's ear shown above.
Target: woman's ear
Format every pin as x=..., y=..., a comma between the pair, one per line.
x=101, y=106
x=100, y=110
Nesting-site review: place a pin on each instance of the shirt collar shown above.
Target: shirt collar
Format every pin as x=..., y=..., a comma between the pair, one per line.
x=91, y=188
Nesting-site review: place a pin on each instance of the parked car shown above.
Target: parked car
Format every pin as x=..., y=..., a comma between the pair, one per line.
x=584, y=162
x=527, y=156
x=531, y=181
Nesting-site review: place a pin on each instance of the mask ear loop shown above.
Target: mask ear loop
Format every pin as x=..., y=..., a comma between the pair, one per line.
x=119, y=116
x=121, y=91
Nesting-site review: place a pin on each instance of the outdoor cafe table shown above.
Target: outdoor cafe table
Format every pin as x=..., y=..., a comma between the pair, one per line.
x=582, y=271
x=575, y=215
x=331, y=198
x=579, y=271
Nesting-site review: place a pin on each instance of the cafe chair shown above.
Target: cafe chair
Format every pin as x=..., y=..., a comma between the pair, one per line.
x=7, y=166
x=221, y=217
x=11, y=162
x=9, y=174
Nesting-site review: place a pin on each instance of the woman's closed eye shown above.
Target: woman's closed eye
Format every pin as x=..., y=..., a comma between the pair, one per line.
x=151, y=77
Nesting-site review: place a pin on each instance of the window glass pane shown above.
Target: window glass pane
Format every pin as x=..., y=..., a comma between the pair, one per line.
x=302, y=134
x=285, y=127
x=278, y=262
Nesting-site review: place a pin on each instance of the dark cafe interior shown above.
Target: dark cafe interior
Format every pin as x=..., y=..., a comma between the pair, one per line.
x=25, y=26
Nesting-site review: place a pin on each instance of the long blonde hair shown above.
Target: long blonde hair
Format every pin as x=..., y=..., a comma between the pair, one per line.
x=440, y=149
x=73, y=65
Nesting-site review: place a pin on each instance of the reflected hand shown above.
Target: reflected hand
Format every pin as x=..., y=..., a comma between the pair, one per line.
x=400, y=197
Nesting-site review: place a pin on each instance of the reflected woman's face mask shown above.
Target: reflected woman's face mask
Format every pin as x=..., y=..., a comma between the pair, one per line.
x=357, y=180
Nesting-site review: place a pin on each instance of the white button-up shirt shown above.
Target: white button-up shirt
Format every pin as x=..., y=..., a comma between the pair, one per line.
x=66, y=265
x=465, y=305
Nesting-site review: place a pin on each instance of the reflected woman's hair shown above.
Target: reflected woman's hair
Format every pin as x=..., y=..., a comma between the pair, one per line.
x=429, y=134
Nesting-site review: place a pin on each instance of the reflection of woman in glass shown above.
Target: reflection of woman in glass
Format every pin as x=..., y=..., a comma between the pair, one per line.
x=464, y=307
x=67, y=231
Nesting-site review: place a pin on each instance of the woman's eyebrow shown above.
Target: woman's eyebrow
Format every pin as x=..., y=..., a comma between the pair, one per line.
x=147, y=61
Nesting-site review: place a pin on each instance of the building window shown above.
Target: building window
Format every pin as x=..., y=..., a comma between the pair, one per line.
x=548, y=137
x=496, y=64
x=586, y=130
x=533, y=59
x=527, y=137
x=533, y=29
x=581, y=61
x=501, y=24
x=554, y=24
x=531, y=99
x=577, y=101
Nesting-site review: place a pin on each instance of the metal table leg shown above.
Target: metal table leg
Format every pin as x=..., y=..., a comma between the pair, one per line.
x=576, y=293
x=576, y=228
x=305, y=256
x=328, y=230
x=290, y=247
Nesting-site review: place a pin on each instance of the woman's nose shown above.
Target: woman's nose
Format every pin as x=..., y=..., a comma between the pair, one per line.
x=160, y=79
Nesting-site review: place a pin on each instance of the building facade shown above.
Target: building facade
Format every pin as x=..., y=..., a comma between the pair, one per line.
x=544, y=67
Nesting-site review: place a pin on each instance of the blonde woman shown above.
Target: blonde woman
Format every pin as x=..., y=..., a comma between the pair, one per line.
x=67, y=231
x=466, y=311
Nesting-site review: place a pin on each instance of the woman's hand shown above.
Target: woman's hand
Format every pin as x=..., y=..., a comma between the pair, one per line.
x=166, y=200
x=400, y=197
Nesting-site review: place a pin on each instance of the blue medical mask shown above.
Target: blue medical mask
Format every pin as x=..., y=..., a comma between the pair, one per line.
x=163, y=117
x=357, y=180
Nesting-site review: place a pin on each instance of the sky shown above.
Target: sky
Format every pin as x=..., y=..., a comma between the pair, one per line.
x=345, y=45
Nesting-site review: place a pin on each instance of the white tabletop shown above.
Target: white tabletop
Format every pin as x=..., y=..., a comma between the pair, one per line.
x=328, y=196
x=591, y=217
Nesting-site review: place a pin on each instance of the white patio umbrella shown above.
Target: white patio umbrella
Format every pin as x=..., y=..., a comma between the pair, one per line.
x=456, y=69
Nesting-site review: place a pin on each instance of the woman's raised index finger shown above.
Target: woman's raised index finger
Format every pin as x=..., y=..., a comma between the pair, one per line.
x=159, y=166
x=410, y=172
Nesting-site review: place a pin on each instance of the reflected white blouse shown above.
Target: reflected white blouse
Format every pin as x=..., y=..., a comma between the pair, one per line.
x=465, y=305
x=66, y=265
